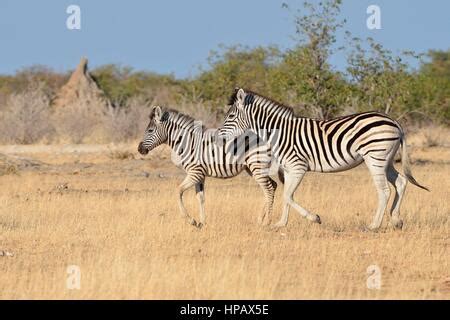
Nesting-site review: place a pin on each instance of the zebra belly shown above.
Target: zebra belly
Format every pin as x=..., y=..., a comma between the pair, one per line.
x=314, y=167
x=350, y=164
x=224, y=171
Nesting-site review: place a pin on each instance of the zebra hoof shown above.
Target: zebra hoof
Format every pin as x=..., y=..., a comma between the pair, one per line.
x=397, y=224
x=314, y=218
x=373, y=228
x=192, y=222
x=277, y=226
x=199, y=225
x=264, y=222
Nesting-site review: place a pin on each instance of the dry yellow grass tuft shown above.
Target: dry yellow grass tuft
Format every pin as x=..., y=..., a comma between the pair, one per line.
x=117, y=219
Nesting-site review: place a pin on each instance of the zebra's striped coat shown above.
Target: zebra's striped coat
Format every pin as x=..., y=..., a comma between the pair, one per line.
x=304, y=144
x=198, y=151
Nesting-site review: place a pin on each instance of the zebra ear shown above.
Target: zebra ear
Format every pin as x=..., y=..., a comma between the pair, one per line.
x=157, y=112
x=240, y=98
x=160, y=115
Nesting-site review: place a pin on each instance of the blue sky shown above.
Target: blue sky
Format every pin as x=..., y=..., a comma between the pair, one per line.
x=175, y=36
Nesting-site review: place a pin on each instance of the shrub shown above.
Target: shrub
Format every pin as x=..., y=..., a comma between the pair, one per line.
x=25, y=119
x=75, y=122
x=126, y=123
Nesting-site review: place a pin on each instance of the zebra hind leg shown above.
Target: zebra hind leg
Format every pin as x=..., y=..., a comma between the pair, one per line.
x=200, y=192
x=268, y=186
x=378, y=170
x=399, y=182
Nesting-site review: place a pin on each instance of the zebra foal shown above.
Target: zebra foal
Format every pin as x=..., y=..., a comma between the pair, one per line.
x=303, y=144
x=197, y=151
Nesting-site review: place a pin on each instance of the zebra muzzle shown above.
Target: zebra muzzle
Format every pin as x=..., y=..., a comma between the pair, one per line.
x=142, y=149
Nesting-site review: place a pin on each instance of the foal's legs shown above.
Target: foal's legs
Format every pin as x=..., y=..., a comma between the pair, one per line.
x=187, y=183
x=268, y=186
x=200, y=192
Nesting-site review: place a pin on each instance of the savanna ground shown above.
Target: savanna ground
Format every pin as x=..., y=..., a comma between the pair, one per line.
x=114, y=214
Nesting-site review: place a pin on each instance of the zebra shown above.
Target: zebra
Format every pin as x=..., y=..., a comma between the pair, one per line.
x=303, y=144
x=197, y=151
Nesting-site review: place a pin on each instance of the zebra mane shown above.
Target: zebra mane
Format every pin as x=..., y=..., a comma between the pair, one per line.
x=250, y=98
x=177, y=117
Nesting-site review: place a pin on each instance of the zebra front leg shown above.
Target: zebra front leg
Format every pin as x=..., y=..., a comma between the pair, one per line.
x=185, y=185
x=292, y=181
x=200, y=191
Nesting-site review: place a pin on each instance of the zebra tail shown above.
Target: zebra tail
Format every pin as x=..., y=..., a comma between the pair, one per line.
x=406, y=165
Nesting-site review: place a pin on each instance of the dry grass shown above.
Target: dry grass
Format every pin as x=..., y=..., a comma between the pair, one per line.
x=430, y=137
x=123, y=230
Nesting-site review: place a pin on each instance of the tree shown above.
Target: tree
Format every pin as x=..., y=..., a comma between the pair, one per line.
x=433, y=89
x=235, y=66
x=121, y=83
x=310, y=76
x=439, y=66
x=381, y=79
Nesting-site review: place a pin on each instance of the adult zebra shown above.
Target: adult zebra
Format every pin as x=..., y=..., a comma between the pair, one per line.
x=198, y=152
x=303, y=144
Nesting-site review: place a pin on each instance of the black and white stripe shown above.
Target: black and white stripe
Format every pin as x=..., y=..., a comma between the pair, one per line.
x=304, y=144
x=199, y=152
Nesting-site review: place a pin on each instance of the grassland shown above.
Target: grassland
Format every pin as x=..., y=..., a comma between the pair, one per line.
x=114, y=214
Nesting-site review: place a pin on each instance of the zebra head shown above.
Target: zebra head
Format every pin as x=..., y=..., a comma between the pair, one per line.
x=156, y=132
x=236, y=120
